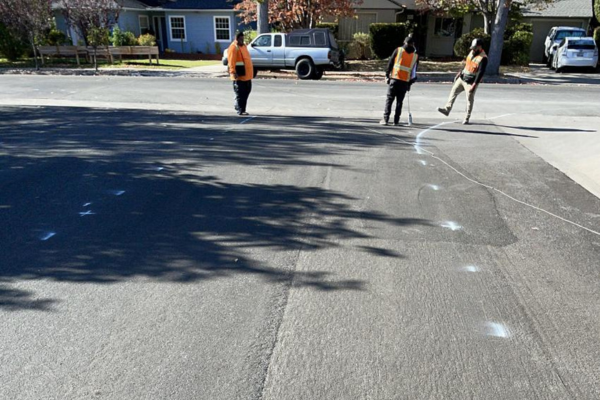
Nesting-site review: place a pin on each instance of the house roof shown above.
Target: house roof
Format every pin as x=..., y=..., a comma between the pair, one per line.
x=561, y=8
x=190, y=4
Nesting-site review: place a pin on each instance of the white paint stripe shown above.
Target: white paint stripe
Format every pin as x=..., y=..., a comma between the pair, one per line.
x=499, y=116
x=433, y=187
x=248, y=120
x=117, y=192
x=471, y=268
x=496, y=329
x=47, y=236
x=87, y=204
x=453, y=226
x=88, y=212
x=491, y=187
x=423, y=162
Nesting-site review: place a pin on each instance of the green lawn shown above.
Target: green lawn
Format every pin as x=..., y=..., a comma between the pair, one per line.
x=134, y=64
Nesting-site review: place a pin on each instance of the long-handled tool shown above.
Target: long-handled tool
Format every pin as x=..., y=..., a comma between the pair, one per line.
x=409, y=113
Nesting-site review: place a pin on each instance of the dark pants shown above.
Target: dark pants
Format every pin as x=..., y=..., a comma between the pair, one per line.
x=396, y=91
x=242, y=90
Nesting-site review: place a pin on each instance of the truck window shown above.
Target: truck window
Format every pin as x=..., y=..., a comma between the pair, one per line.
x=299, y=40
x=263, y=41
x=320, y=39
x=278, y=41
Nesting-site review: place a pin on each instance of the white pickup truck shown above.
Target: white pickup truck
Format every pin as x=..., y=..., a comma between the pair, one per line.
x=308, y=51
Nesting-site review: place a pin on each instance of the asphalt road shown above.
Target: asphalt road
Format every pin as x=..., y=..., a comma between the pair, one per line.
x=155, y=246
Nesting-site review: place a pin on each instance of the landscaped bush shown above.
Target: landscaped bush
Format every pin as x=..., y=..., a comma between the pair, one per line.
x=361, y=43
x=11, y=46
x=516, y=48
x=123, y=38
x=147, y=40
x=463, y=44
x=333, y=27
x=56, y=37
x=597, y=35
x=385, y=38
x=517, y=43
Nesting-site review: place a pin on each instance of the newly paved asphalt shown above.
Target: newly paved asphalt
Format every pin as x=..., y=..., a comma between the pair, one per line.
x=155, y=246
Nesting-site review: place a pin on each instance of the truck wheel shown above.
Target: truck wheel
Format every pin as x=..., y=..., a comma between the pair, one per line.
x=305, y=68
x=318, y=74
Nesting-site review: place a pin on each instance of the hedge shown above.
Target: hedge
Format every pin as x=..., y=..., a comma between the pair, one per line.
x=463, y=44
x=385, y=38
x=597, y=10
x=332, y=26
x=517, y=44
x=597, y=36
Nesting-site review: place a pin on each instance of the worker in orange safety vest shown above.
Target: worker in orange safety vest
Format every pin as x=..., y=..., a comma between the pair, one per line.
x=241, y=72
x=468, y=79
x=401, y=73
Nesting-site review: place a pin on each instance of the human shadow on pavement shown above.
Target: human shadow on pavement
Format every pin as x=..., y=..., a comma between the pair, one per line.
x=488, y=133
x=542, y=128
x=93, y=203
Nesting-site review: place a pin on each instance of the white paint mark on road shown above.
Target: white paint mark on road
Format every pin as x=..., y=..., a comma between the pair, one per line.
x=423, y=162
x=499, y=116
x=453, y=226
x=47, y=236
x=117, y=192
x=433, y=187
x=496, y=329
x=248, y=120
x=87, y=204
x=423, y=132
x=88, y=212
x=159, y=168
x=471, y=268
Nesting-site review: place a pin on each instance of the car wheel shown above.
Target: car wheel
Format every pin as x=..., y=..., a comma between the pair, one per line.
x=550, y=62
x=545, y=59
x=305, y=68
x=318, y=74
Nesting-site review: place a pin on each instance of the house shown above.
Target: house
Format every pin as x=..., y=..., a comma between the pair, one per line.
x=575, y=13
x=435, y=35
x=184, y=26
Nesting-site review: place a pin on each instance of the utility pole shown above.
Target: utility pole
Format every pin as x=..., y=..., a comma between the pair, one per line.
x=262, y=17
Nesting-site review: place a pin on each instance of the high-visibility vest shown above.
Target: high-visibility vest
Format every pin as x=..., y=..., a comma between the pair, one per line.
x=472, y=65
x=403, y=65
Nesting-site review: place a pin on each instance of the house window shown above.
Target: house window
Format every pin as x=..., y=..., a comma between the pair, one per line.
x=222, y=31
x=447, y=27
x=144, y=24
x=177, y=28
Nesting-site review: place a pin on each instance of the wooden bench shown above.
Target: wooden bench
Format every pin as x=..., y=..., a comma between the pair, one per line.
x=67, y=51
x=135, y=51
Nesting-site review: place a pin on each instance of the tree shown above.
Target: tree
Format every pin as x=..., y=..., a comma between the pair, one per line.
x=29, y=19
x=485, y=8
x=297, y=14
x=87, y=15
x=92, y=20
x=263, y=16
x=597, y=10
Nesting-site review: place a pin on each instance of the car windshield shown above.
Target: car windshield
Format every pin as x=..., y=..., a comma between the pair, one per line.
x=563, y=34
x=581, y=45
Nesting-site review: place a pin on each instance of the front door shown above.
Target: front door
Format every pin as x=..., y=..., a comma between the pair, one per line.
x=160, y=30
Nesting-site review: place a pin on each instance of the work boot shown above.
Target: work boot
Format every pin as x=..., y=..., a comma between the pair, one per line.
x=466, y=121
x=383, y=122
x=444, y=110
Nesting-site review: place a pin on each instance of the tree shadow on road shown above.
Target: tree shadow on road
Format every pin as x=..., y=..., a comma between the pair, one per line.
x=98, y=203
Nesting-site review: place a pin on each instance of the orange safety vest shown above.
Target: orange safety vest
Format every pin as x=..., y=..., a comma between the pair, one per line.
x=239, y=55
x=472, y=64
x=403, y=65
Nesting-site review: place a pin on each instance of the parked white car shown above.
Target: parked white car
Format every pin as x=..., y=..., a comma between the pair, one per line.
x=555, y=36
x=308, y=51
x=575, y=52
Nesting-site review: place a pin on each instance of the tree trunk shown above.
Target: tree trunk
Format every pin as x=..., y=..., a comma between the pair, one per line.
x=486, y=23
x=32, y=40
x=495, y=55
x=263, y=17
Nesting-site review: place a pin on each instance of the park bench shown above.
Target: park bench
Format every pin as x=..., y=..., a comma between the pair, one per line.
x=135, y=51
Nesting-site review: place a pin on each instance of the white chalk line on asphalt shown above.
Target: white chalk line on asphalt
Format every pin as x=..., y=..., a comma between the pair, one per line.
x=431, y=154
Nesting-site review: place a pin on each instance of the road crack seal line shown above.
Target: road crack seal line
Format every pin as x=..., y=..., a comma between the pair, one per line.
x=472, y=180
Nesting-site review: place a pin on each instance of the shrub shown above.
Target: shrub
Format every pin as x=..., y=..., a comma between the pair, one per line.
x=333, y=27
x=146, y=40
x=597, y=36
x=463, y=44
x=218, y=49
x=361, y=43
x=56, y=37
x=11, y=46
x=249, y=35
x=123, y=38
x=516, y=48
x=597, y=10
x=385, y=38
